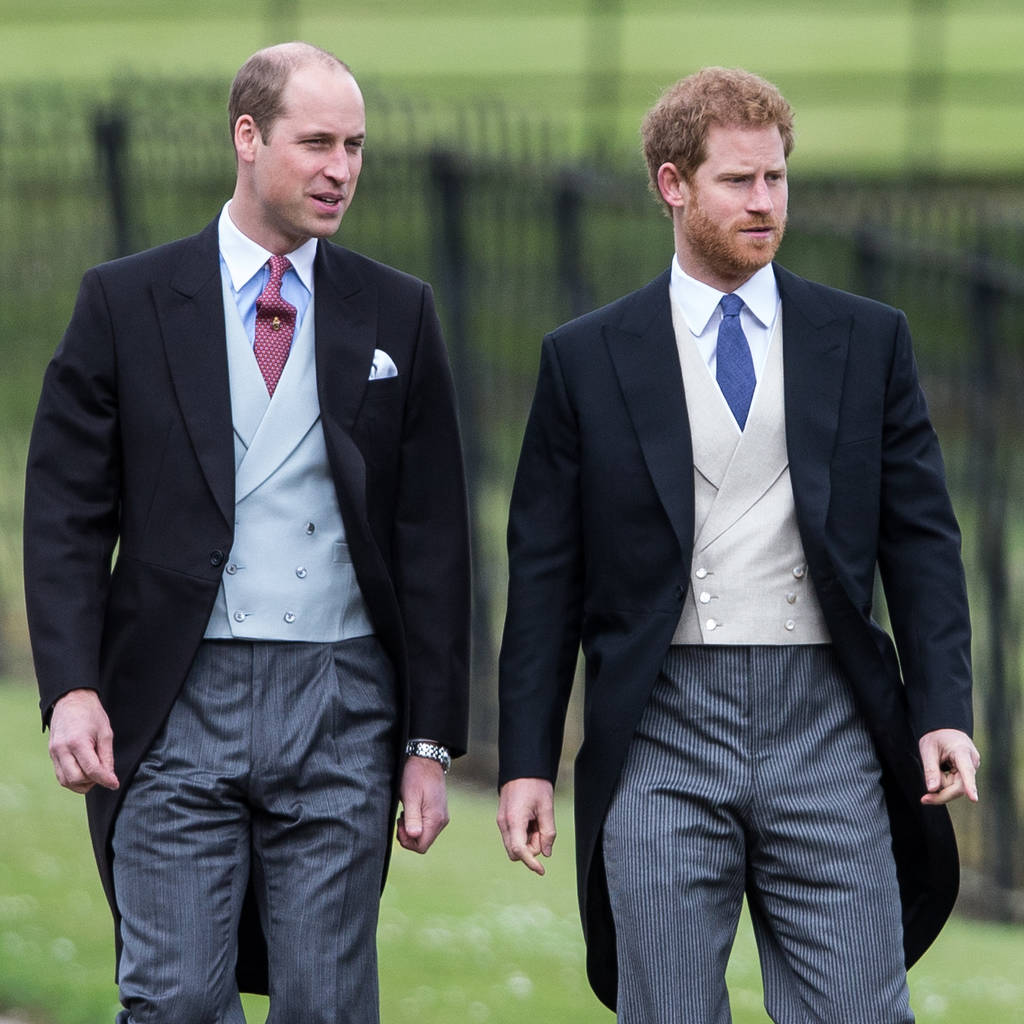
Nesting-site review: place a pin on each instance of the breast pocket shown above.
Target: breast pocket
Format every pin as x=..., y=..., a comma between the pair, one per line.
x=379, y=421
x=384, y=389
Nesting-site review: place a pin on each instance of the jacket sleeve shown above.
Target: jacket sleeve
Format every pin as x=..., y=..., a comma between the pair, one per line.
x=430, y=545
x=919, y=556
x=544, y=616
x=72, y=497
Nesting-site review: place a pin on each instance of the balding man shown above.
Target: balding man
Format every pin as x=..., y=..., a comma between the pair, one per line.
x=263, y=424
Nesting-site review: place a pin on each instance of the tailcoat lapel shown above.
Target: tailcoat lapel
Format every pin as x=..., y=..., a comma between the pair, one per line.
x=643, y=350
x=190, y=311
x=814, y=354
x=346, y=334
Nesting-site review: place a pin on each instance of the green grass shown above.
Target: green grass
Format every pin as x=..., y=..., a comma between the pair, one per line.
x=847, y=68
x=465, y=936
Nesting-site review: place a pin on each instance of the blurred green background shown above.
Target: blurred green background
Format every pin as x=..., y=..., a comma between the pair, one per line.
x=502, y=165
x=862, y=75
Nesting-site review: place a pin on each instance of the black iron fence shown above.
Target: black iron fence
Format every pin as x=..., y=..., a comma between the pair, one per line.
x=481, y=203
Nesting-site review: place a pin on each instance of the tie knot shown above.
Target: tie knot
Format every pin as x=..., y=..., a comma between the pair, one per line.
x=731, y=305
x=278, y=265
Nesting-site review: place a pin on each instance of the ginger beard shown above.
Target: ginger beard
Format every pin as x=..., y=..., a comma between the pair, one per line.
x=725, y=250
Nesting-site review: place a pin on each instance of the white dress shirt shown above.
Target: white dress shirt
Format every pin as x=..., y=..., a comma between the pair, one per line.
x=244, y=262
x=699, y=305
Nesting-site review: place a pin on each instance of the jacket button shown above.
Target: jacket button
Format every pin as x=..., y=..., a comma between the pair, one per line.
x=216, y=558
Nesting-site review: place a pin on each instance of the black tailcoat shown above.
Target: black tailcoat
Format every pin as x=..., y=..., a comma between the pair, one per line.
x=132, y=445
x=601, y=538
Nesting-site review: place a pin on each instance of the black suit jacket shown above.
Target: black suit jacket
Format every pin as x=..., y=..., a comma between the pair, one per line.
x=132, y=445
x=601, y=540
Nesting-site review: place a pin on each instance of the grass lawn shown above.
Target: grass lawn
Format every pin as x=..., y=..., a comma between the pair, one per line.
x=849, y=69
x=465, y=936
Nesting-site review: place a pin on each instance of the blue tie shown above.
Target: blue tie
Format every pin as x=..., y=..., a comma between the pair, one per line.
x=735, y=368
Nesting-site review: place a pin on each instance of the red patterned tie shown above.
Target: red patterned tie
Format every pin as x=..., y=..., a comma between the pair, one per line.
x=275, y=325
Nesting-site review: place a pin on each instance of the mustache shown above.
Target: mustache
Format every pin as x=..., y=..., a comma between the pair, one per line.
x=761, y=223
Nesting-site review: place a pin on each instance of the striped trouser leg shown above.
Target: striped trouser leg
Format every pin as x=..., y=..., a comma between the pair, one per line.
x=273, y=770
x=751, y=771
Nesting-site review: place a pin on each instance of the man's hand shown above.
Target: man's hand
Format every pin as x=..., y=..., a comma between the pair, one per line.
x=526, y=819
x=950, y=761
x=424, y=804
x=82, y=742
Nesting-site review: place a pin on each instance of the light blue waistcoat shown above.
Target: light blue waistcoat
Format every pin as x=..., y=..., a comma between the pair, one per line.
x=288, y=575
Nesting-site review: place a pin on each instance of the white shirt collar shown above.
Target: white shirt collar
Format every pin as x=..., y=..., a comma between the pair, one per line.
x=698, y=301
x=244, y=258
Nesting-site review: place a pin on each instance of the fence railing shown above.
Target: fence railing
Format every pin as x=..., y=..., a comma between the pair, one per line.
x=516, y=241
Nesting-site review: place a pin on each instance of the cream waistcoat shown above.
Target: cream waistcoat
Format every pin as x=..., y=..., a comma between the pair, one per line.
x=749, y=581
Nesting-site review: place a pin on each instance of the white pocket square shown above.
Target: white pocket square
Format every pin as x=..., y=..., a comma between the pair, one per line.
x=383, y=365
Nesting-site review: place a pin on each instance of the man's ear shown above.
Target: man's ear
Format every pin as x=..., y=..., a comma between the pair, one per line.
x=247, y=135
x=672, y=186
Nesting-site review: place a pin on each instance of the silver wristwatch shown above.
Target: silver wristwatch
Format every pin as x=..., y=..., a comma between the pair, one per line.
x=434, y=751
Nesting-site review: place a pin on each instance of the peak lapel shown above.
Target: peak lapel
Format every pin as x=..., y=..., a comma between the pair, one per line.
x=190, y=310
x=288, y=418
x=760, y=455
x=346, y=335
x=814, y=354
x=713, y=429
x=643, y=351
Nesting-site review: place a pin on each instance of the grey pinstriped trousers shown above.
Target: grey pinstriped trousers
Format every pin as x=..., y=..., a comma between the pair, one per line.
x=276, y=759
x=751, y=771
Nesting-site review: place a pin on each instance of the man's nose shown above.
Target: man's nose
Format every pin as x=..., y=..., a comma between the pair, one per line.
x=760, y=197
x=337, y=168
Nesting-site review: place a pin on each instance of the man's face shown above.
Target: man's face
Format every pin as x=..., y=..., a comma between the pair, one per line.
x=297, y=183
x=735, y=212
